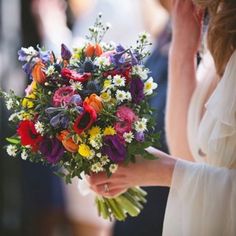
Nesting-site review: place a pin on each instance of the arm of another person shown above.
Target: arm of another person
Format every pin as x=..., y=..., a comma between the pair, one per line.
x=182, y=75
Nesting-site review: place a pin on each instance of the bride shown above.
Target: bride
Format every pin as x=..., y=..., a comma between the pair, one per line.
x=201, y=127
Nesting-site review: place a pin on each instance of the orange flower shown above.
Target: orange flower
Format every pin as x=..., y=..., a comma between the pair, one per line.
x=38, y=73
x=94, y=101
x=93, y=50
x=67, y=142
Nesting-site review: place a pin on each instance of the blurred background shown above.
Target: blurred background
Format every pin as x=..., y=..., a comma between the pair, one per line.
x=33, y=201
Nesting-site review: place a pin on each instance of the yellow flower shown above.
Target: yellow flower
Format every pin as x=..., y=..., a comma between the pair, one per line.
x=94, y=131
x=84, y=150
x=109, y=131
x=106, y=97
x=107, y=84
x=27, y=102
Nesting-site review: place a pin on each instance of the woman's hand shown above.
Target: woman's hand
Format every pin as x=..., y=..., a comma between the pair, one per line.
x=142, y=173
x=187, y=25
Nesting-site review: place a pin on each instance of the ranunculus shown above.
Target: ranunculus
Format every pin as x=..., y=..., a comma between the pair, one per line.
x=52, y=150
x=114, y=148
x=62, y=96
x=136, y=90
x=94, y=101
x=38, y=74
x=73, y=75
x=86, y=119
x=126, y=117
x=67, y=142
x=28, y=134
x=126, y=114
x=93, y=50
x=65, y=52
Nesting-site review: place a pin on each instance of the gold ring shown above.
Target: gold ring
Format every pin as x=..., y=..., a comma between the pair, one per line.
x=106, y=188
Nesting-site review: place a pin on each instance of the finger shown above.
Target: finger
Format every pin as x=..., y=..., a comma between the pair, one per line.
x=157, y=153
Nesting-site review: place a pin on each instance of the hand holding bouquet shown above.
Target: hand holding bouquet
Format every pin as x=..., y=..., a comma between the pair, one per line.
x=86, y=112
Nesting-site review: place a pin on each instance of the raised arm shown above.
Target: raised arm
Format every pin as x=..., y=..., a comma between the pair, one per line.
x=182, y=73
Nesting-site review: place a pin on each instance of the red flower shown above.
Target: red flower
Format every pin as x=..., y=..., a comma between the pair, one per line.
x=73, y=75
x=125, y=73
x=28, y=134
x=86, y=119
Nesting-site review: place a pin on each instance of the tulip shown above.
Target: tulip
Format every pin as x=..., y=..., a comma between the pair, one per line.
x=68, y=142
x=94, y=101
x=38, y=74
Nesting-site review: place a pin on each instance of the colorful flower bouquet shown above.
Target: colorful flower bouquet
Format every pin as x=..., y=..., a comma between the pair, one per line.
x=86, y=112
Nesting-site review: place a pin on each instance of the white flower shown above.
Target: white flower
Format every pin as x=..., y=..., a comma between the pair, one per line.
x=149, y=86
x=102, y=62
x=12, y=150
x=96, y=141
x=141, y=125
x=113, y=168
x=119, y=80
x=13, y=116
x=76, y=85
x=140, y=71
x=50, y=70
x=39, y=126
x=92, y=155
x=128, y=96
x=104, y=160
x=99, y=154
x=128, y=137
x=120, y=95
x=9, y=104
x=24, y=155
x=30, y=52
x=97, y=167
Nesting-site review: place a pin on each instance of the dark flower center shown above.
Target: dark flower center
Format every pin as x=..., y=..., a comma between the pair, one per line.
x=84, y=121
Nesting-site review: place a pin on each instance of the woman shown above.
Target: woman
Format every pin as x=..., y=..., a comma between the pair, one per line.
x=202, y=195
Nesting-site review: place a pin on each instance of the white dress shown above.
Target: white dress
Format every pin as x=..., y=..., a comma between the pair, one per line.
x=202, y=199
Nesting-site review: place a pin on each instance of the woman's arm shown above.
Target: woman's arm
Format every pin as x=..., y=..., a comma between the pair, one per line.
x=142, y=173
x=182, y=77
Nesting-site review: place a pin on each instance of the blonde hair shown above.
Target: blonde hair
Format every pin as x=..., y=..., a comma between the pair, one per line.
x=221, y=37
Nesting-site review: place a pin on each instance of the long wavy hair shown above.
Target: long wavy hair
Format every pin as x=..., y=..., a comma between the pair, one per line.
x=221, y=38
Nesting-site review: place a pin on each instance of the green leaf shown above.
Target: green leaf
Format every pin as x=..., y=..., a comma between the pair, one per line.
x=13, y=140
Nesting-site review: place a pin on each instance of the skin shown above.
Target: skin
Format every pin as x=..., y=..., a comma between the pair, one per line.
x=182, y=81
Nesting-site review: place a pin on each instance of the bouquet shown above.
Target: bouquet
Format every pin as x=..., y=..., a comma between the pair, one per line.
x=85, y=112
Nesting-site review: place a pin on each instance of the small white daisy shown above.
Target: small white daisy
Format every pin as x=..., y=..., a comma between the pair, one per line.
x=50, y=70
x=24, y=155
x=128, y=96
x=119, y=81
x=113, y=168
x=39, y=126
x=9, y=104
x=140, y=71
x=12, y=150
x=92, y=155
x=104, y=160
x=149, y=86
x=97, y=167
x=141, y=125
x=102, y=62
x=76, y=85
x=120, y=95
x=128, y=136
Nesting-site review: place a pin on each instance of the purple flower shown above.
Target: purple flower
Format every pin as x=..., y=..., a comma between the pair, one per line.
x=120, y=48
x=136, y=90
x=52, y=150
x=113, y=148
x=45, y=56
x=118, y=59
x=139, y=136
x=27, y=67
x=76, y=100
x=59, y=121
x=65, y=52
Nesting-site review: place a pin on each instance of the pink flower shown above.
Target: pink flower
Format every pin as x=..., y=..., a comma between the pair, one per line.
x=62, y=96
x=126, y=118
x=126, y=114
